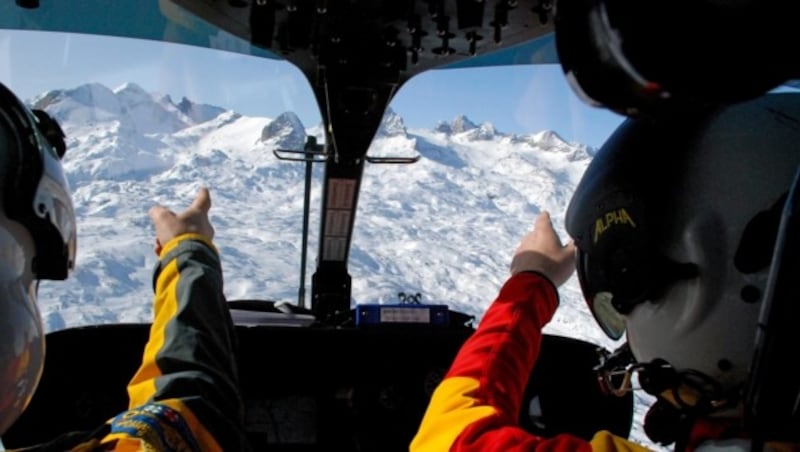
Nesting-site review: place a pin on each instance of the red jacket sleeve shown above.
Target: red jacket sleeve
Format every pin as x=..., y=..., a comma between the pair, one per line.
x=477, y=405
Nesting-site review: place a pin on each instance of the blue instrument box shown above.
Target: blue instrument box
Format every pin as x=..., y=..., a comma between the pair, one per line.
x=399, y=314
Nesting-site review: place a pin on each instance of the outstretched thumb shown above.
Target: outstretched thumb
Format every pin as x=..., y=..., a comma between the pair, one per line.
x=202, y=201
x=543, y=220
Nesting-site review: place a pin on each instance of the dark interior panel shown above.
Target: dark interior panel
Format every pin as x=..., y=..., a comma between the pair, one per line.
x=309, y=388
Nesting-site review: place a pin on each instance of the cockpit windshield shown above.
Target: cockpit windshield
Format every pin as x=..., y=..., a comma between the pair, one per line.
x=462, y=163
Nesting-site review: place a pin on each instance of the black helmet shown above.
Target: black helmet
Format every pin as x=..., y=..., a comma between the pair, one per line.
x=662, y=57
x=675, y=223
x=37, y=241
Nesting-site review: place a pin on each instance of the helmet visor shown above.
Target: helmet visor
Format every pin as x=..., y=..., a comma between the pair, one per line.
x=601, y=287
x=616, y=279
x=52, y=203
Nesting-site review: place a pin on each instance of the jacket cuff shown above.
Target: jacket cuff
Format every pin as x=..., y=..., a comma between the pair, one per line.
x=528, y=280
x=175, y=241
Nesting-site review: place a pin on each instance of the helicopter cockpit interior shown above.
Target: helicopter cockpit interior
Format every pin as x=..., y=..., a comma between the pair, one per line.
x=334, y=375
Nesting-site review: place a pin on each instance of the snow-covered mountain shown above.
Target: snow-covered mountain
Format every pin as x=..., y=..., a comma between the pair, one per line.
x=445, y=227
x=285, y=132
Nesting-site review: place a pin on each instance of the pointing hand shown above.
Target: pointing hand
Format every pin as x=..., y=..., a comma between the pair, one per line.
x=541, y=250
x=192, y=220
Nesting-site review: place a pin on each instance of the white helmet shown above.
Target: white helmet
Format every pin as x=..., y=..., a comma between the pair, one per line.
x=37, y=241
x=675, y=223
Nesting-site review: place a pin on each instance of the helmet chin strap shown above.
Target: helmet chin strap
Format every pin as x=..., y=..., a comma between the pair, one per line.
x=682, y=396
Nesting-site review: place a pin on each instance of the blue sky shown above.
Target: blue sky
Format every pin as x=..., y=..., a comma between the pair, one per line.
x=516, y=99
